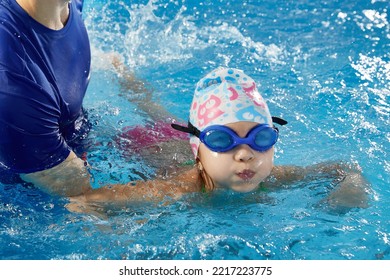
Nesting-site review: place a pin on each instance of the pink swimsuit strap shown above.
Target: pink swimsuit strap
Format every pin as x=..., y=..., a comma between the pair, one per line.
x=137, y=137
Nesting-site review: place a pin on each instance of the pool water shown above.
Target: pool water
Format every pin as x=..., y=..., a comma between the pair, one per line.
x=322, y=65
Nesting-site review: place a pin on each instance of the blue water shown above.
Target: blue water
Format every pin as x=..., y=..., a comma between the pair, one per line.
x=322, y=65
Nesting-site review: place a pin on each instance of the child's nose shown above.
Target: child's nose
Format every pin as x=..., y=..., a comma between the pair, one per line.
x=244, y=153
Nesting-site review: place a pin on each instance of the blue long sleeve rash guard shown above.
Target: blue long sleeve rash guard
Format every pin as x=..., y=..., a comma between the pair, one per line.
x=44, y=75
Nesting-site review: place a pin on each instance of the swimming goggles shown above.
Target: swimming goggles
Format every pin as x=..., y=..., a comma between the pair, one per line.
x=220, y=138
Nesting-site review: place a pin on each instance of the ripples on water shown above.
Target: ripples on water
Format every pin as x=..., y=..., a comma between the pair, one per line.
x=323, y=66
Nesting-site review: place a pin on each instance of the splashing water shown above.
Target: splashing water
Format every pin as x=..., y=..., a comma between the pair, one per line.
x=323, y=66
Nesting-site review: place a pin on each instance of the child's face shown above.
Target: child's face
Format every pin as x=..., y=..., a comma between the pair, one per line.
x=240, y=169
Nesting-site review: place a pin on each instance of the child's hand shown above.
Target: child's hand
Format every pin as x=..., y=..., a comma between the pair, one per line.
x=79, y=205
x=106, y=60
x=352, y=192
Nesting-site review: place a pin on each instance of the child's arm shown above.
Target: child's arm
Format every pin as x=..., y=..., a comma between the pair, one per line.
x=120, y=196
x=351, y=187
x=139, y=92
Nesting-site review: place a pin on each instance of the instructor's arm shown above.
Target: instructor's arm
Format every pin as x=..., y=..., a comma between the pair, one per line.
x=69, y=178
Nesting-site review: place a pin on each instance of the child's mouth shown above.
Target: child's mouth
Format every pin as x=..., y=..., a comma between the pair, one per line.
x=246, y=174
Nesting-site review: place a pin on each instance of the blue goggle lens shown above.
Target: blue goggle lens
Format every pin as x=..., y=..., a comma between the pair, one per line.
x=218, y=140
x=265, y=138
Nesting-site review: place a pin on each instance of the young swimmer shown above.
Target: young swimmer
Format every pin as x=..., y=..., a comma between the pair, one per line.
x=232, y=132
x=232, y=138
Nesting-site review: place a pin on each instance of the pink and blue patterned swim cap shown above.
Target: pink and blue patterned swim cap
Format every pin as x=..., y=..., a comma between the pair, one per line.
x=224, y=96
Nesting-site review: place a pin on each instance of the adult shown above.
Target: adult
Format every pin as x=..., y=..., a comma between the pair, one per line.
x=44, y=73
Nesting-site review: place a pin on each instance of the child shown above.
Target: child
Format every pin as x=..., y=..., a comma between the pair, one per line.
x=232, y=138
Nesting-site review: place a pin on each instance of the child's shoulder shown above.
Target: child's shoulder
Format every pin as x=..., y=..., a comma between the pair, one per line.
x=188, y=176
x=287, y=173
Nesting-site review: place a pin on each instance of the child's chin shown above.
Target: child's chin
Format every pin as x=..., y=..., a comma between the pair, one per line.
x=244, y=188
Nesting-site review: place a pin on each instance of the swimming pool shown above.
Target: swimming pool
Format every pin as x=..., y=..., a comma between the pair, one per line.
x=323, y=66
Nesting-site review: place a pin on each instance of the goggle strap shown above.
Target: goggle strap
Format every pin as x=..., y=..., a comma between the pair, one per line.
x=279, y=121
x=190, y=129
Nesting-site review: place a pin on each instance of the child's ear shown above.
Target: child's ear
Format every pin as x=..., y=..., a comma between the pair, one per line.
x=208, y=182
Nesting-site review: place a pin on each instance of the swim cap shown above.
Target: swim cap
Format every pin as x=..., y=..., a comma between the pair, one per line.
x=223, y=96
